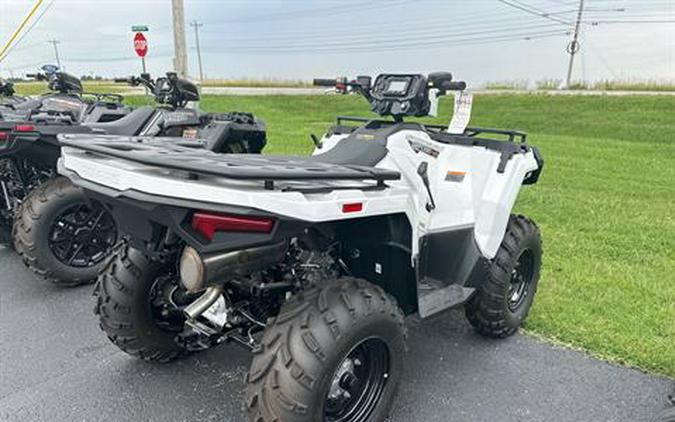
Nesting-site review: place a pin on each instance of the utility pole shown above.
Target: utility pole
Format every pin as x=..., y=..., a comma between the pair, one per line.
x=180, y=54
x=573, y=47
x=55, y=43
x=196, y=25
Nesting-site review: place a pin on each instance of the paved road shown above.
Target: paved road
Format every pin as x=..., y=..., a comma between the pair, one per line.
x=55, y=365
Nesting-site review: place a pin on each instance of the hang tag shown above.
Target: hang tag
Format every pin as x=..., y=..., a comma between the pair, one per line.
x=433, y=100
x=462, y=114
x=190, y=133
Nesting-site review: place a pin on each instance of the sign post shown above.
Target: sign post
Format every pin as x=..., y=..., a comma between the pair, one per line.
x=140, y=43
x=141, y=47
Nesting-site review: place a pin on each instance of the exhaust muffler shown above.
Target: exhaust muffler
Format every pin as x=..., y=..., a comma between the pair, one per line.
x=198, y=271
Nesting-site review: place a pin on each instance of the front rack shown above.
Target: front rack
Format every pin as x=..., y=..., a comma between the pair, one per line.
x=472, y=132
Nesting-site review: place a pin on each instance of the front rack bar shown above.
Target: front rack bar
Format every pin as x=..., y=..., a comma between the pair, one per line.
x=512, y=135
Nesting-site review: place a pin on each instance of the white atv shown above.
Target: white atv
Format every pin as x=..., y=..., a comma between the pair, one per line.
x=313, y=262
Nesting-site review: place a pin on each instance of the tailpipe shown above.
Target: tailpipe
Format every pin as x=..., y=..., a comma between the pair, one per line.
x=205, y=301
x=198, y=271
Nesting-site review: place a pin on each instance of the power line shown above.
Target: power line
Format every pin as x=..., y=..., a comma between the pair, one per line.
x=369, y=44
x=380, y=32
x=310, y=42
x=19, y=29
x=531, y=11
x=393, y=26
x=308, y=13
x=602, y=22
x=361, y=47
x=30, y=28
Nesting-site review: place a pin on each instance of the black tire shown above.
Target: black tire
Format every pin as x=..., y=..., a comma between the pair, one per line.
x=35, y=227
x=667, y=415
x=122, y=295
x=5, y=235
x=294, y=367
x=502, y=302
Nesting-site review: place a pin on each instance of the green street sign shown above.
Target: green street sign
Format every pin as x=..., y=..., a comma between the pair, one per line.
x=139, y=28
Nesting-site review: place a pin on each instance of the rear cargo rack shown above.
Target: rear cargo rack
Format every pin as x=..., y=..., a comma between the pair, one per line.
x=170, y=153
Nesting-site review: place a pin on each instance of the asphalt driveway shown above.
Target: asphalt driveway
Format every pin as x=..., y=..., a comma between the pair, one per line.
x=55, y=365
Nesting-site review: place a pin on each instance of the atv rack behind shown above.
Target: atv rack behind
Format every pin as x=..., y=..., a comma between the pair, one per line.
x=182, y=156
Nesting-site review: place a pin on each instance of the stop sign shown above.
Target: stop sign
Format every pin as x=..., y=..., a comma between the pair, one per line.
x=140, y=44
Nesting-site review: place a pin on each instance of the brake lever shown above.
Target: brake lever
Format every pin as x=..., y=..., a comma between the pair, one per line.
x=316, y=140
x=422, y=172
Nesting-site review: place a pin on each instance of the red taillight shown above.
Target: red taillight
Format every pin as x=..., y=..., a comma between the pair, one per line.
x=24, y=128
x=208, y=224
x=4, y=136
x=354, y=207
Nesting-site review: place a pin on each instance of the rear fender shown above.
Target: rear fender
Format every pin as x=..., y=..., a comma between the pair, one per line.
x=147, y=220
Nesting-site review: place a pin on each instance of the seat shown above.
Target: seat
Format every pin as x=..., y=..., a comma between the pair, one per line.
x=354, y=151
x=31, y=104
x=130, y=125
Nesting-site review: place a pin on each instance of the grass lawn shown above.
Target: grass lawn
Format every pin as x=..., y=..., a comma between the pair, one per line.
x=605, y=204
x=40, y=87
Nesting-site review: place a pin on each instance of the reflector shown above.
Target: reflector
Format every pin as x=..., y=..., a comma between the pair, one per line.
x=209, y=224
x=24, y=128
x=354, y=207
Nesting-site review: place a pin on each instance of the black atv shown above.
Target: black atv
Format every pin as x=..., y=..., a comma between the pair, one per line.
x=8, y=93
x=59, y=233
x=66, y=101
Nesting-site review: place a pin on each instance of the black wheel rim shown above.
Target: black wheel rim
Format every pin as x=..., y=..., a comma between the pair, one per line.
x=82, y=235
x=521, y=280
x=358, y=383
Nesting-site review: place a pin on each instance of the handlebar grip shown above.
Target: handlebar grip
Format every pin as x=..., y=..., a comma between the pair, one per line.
x=121, y=80
x=454, y=86
x=324, y=82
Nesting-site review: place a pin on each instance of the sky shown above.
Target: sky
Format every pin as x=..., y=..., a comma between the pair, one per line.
x=477, y=40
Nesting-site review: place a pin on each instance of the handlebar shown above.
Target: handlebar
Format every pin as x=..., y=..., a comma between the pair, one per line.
x=37, y=76
x=453, y=86
x=324, y=82
x=144, y=80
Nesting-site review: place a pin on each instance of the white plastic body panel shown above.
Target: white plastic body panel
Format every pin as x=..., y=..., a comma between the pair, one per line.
x=480, y=198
